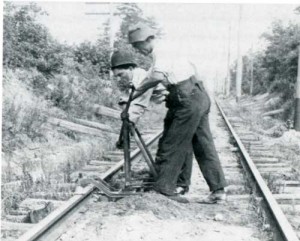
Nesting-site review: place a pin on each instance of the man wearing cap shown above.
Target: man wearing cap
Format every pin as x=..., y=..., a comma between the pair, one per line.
x=186, y=122
x=125, y=68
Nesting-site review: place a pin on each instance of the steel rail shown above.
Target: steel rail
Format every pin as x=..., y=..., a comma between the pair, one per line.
x=283, y=226
x=38, y=230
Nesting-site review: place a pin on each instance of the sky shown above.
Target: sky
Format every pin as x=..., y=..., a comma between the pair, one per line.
x=202, y=30
x=205, y=29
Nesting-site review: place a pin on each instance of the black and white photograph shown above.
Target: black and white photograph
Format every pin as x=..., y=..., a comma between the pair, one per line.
x=150, y=121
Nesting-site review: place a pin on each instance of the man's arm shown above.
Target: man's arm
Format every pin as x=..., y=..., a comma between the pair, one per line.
x=139, y=105
x=149, y=82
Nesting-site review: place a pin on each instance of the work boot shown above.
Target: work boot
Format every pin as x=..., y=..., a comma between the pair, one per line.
x=182, y=190
x=217, y=196
x=171, y=195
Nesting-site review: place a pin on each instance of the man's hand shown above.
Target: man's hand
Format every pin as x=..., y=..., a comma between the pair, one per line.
x=120, y=144
x=151, y=81
x=131, y=85
x=124, y=115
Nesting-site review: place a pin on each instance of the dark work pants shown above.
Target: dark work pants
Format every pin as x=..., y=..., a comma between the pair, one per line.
x=184, y=178
x=187, y=128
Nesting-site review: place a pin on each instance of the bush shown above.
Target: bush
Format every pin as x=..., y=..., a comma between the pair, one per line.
x=275, y=68
x=23, y=113
x=27, y=43
x=77, y=92
x=283, y=87
x=289, y=108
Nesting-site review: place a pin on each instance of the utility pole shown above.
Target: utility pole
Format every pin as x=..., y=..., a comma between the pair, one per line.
x=224, y=86
x=111, y=33
x=239, y=71
x=216, y=84
x=219, y=87
x=251, y=71
x=297, y=97
x=110, y=21
x=223, y=79
x=228, y=79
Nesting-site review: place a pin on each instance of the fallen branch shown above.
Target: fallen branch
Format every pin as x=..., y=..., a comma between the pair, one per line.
x=273, y=112
x=261, y=96
x=272, y=101
x=93, y=124
x=77, y=127
x=106, y=111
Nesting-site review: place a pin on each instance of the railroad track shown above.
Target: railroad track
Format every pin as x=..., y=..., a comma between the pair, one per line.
x=235, y=171
x=260, y=164
x=62, y=202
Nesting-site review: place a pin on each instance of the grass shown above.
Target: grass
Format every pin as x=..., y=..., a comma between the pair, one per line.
x=290, y=155
x=287, y=151
x=273, y=182
x=41, y=157
x=57, y=153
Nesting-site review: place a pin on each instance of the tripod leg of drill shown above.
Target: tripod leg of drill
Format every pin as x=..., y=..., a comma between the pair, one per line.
x=146, y=153
x=127, y=164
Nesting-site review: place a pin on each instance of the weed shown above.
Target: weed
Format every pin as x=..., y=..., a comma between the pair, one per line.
x=23, y=115
x=273, y=182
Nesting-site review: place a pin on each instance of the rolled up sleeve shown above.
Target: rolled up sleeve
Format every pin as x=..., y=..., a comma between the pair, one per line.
x=139, y=105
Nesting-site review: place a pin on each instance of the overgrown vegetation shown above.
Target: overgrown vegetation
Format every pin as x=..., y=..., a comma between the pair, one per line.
x=275, y=68
x=71, y=79
x=23, y=114
x=45, y=78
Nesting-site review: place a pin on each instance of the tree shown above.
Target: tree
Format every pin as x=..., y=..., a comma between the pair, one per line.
x=281, y=56
x=275, y=68
x=26, y=43
x=94, y=55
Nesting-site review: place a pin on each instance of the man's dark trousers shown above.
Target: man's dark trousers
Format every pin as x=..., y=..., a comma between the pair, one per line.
x=184, y=178
x=186, y=127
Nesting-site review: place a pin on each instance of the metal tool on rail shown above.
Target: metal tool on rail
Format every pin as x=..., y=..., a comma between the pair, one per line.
x=131, y=186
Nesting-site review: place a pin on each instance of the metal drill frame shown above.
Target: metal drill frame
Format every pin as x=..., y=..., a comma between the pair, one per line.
x=128, y=129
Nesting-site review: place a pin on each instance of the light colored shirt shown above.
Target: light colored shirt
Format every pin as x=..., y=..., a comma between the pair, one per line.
x=175, y=67
x=172, y=64
x=139, y=105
